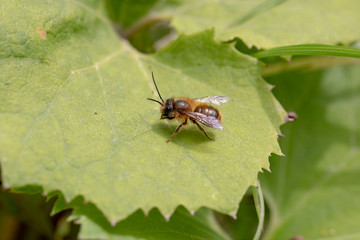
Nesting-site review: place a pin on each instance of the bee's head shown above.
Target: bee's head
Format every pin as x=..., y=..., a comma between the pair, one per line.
x=167, y=109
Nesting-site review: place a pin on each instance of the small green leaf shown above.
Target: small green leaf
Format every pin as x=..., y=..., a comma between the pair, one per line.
x=74, y=114
x=310, y=49
x=314, y=192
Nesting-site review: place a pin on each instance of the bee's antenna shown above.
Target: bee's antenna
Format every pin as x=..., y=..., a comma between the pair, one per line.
x=155, y=101
x=156, y=88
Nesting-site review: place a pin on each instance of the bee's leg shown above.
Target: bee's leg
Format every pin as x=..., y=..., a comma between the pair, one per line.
x=203, y=130
x=176, y=130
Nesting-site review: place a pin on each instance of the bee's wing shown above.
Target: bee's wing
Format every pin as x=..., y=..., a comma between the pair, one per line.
x=209, y=121
x=217, y=100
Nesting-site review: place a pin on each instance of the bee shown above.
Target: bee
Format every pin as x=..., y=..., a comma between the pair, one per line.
x=196, y=110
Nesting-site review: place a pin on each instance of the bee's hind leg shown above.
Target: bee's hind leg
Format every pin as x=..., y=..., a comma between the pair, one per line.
x=202, y=129
x=176, y=130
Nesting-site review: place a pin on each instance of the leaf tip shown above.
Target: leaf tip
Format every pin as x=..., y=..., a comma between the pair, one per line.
x=5, y=186
x=167, y=217
x=271, y=86
x=146, y=213
x=290, y=117
x=268, y=170
x=192, y=212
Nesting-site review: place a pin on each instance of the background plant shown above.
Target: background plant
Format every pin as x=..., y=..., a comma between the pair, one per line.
x=75, y=126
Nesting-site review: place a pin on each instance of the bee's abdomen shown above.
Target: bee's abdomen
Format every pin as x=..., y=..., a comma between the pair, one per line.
x=208, y=111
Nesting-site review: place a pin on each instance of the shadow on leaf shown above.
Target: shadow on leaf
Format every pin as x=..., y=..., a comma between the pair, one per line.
x=189, y=135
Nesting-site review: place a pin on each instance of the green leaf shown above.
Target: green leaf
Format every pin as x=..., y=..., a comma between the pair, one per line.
x=314, y=192
x=244, y=224
x=29, y=211
x=262, y=7
x=126, y=13
x=272, y=23
x=74, y=115
x=310, y=49
x=260, y=209
x=181, y=225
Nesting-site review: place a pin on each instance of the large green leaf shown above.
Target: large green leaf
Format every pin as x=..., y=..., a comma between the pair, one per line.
x=315, y=191
x=74, y=115
x=272, y=23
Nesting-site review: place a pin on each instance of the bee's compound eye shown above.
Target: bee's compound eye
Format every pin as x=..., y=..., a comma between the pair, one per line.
x=169, y=105
x=181, y=104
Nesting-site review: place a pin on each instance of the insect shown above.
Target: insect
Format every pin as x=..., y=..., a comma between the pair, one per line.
x=196, y=110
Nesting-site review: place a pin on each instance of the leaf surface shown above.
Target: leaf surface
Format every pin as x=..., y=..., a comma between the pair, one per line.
x=269, y=24
x=314, y=192
x=74, y=115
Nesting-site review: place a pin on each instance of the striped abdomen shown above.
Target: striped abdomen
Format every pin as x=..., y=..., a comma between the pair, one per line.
x=208, y=111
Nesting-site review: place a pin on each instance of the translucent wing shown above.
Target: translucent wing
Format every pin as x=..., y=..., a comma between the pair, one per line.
x=209, y=121
x=217, y=100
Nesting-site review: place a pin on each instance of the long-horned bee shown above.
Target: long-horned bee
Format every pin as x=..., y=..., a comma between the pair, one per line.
x=195, y=109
